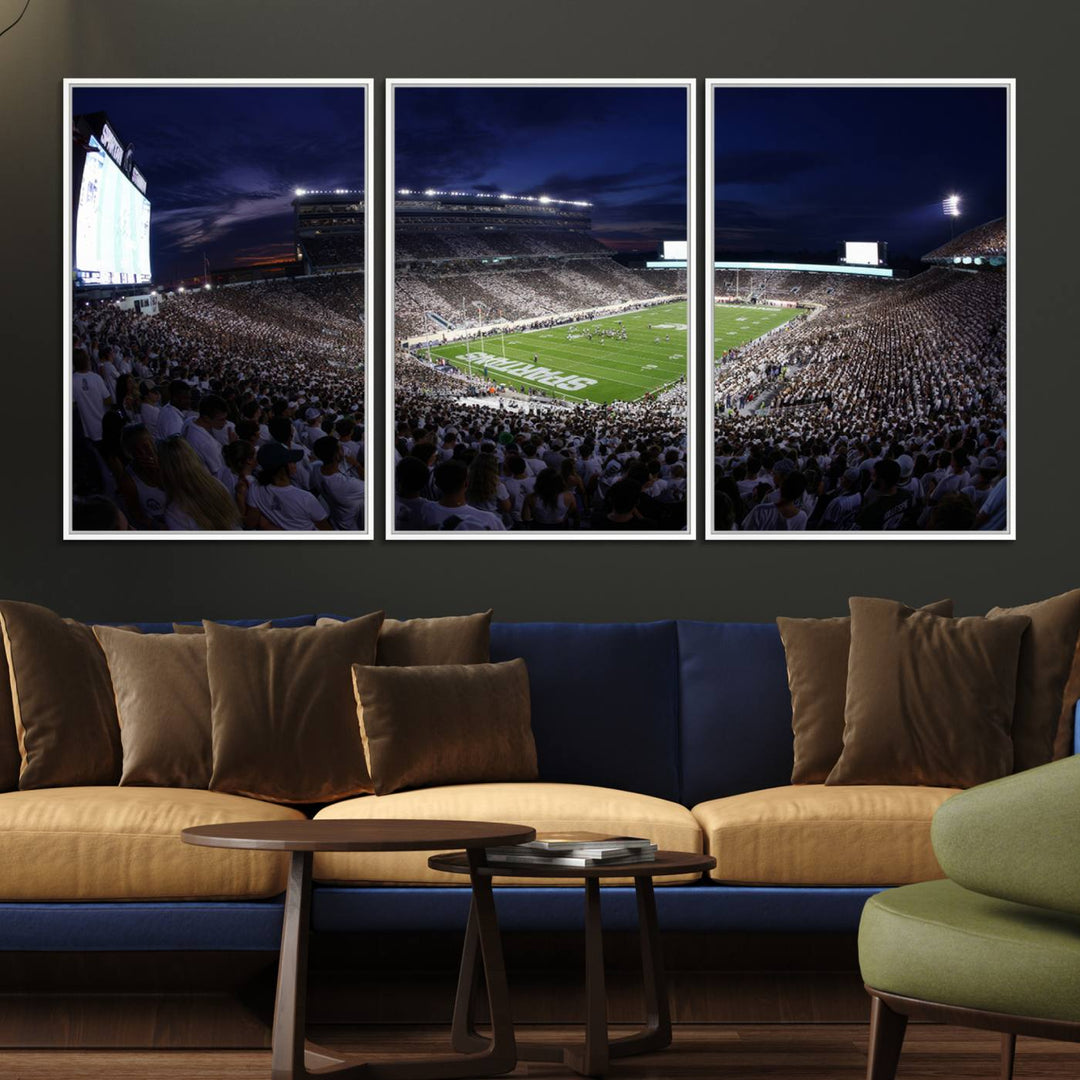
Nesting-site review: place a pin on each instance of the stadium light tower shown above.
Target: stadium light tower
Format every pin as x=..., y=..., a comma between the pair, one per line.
x=950, y=206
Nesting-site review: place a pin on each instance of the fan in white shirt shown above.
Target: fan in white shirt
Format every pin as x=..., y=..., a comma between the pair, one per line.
x=281, y=503
x=313, y=431
x=343, y=494
x=90, y=394
x=200, y=433
x=452, y=511
x=174, y=415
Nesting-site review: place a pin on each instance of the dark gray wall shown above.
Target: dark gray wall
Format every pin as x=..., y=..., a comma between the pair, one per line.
x=745, y=580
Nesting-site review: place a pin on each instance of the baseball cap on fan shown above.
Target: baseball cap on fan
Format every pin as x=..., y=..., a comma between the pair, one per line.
x=907, y=466
x=273, y=455
x=312, y=413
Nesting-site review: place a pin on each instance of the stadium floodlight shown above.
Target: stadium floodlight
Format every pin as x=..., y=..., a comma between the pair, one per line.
x=207, y=285
x=950, y=205
x=430, y=191
x=299, y=191
x=181, y=289
x=544, y=199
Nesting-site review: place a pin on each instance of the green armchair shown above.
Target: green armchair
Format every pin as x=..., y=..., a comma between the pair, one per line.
x=997, y=944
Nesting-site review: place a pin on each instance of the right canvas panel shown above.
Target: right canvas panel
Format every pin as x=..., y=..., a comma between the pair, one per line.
x=861, y=310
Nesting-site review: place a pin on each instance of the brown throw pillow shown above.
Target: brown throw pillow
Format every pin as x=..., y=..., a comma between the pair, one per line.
x=929, y=700
x=163, y=703
x=817, y=662
x=9, y=739
x=445, y=724
x=282, y=710
x=454, y=639
x=1046, y=657
x=62, y=698
x=1066, y=729
x=197, y=628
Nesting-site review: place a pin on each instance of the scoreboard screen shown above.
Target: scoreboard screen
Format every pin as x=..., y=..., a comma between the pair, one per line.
x=112, y=224
x=673, y=249
x=862, y=253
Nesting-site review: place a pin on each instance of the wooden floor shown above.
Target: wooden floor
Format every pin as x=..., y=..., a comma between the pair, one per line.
x=699, y=1052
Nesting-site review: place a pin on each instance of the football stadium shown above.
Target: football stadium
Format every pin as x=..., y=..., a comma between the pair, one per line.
x=864, y=401
x=230, y=400
x=553, y=370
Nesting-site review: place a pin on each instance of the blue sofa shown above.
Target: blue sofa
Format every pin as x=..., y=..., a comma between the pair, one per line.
x=681, y=711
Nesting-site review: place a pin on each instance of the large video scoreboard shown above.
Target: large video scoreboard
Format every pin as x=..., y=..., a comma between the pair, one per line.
x=864, y=253
x=112, y=220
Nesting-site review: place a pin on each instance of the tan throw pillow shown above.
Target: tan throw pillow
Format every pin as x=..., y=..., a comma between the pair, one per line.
x=929, y=699
x=445, y=724
x=197, y=628
x=1066, y=733
x=816, y=651
x=1046, y=657
x=454, y=639
x=163, y=703
x=282, y=710
x=62, y=697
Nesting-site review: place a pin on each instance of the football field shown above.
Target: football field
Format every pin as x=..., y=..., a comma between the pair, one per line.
x=578, y=361
x=736, y=324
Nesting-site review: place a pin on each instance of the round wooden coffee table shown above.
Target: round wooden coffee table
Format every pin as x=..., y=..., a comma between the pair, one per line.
x=291, y=1057
x=590, y=1059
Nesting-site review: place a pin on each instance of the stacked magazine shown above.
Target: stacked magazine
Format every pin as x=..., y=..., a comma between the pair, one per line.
x=575, y=849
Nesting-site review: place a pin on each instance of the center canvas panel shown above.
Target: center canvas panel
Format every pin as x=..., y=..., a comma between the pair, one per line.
x=541, y=311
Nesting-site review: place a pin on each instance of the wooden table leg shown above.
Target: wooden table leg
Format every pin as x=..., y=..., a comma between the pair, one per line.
x=592, y=1059
x=656, y=1034
x=290, y=1011
x=292, y=1058
x=464, y=1037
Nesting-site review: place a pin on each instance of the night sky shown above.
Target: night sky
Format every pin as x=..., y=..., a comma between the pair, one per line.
x=800, y=169
x=621, y=148
x=221, y=164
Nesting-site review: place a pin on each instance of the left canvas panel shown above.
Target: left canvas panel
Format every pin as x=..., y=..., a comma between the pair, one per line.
x=216, y=294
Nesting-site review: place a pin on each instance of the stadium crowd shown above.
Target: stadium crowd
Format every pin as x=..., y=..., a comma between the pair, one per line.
x=884, y=412
x=983, y=242
x=467, y=466
x=524, y=291
x=456, y=243
x=236, y=408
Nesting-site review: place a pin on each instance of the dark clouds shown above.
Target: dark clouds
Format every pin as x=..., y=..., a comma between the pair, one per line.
x=222, y=163
x=803, y=168
x=621, y=148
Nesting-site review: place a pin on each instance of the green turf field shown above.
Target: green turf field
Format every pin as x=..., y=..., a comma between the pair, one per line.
x=736, y=324
x=579, y=369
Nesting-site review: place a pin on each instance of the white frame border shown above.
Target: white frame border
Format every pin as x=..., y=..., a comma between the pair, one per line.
x=370, y=200
x=690, y=85
x=711, y=85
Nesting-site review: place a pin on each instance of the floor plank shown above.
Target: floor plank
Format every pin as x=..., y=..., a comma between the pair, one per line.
x=699, y=1052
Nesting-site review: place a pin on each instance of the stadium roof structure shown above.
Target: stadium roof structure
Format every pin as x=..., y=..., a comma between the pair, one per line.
x=544, y=200
x=985, y=244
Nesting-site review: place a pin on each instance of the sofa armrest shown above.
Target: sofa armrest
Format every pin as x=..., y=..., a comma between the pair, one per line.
x=1017, y=838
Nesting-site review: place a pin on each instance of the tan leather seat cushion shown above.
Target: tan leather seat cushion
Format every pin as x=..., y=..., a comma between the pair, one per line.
x=810, y=834
x=546, y=807
x=123, y=843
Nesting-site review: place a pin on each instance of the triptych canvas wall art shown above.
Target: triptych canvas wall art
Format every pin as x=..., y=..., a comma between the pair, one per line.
x=537, y=374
